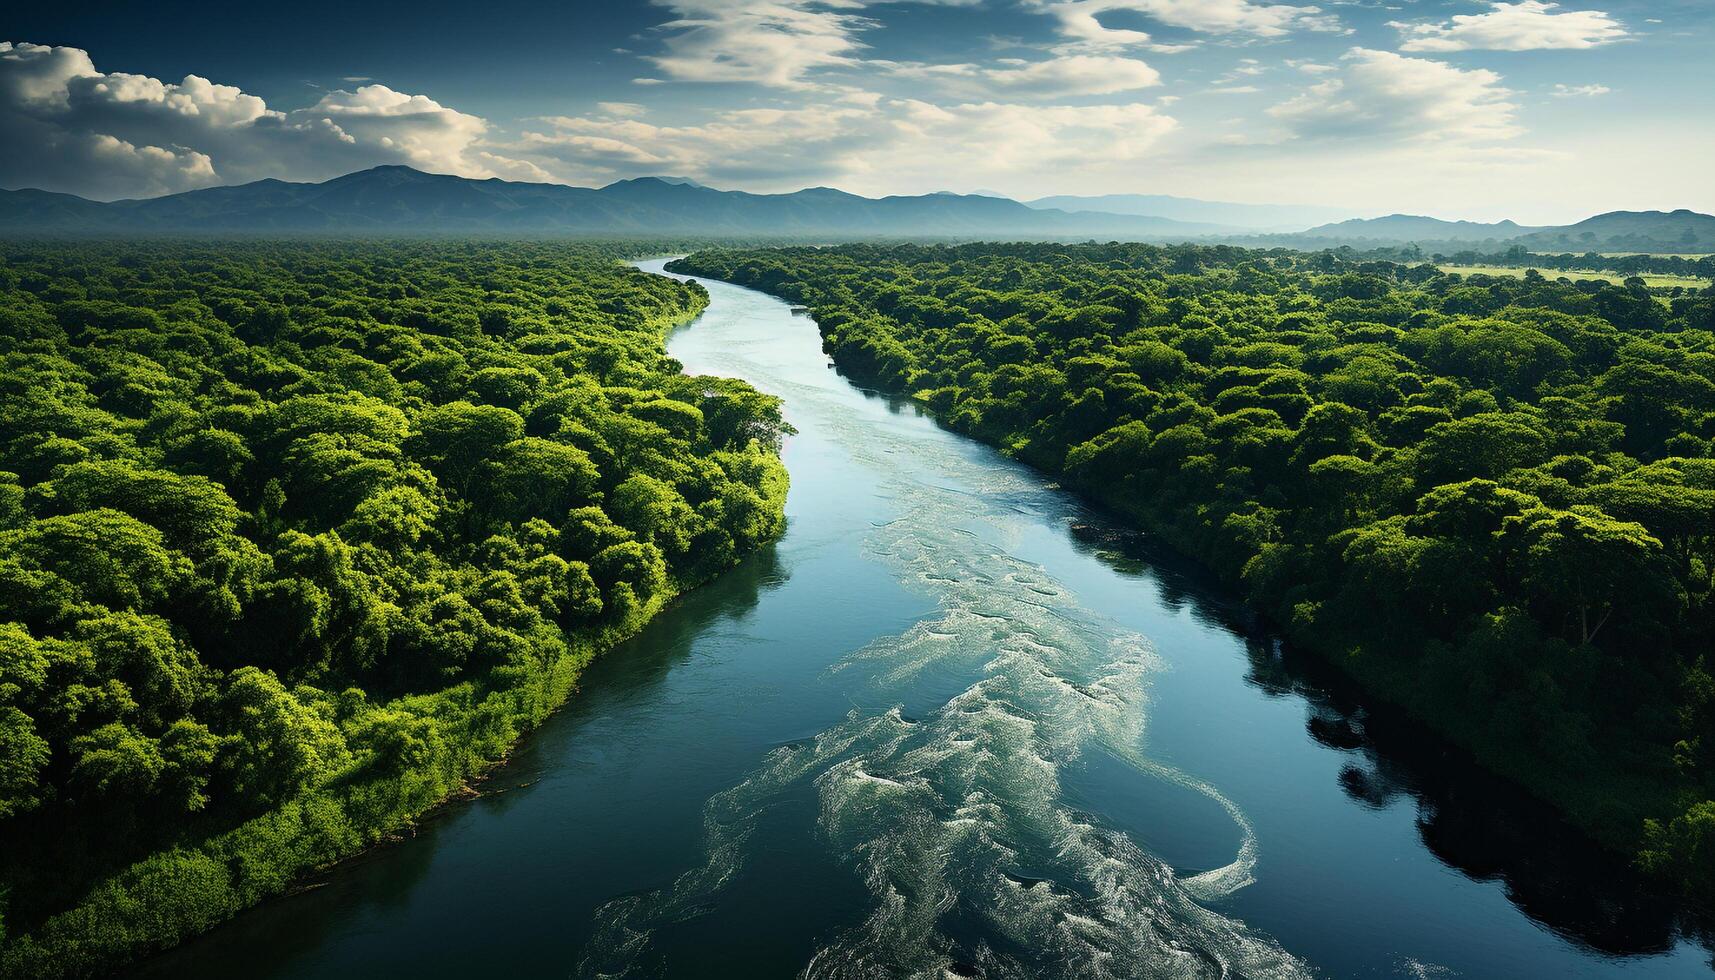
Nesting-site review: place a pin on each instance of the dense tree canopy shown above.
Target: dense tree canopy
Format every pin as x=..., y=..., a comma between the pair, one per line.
x=1491, y=500
x=294, y=536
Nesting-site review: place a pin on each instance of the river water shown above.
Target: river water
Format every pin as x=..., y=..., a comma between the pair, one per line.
x=950, y=725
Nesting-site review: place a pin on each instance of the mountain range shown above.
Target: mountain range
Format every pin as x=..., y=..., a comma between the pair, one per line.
x=1679, y=231
x=1414, y=228
x=1251, y=217
x=401, y=200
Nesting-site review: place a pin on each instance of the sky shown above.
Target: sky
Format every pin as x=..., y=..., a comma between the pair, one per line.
x=1478, y=109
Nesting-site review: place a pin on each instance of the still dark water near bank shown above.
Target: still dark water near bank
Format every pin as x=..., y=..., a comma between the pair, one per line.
x=942, y=729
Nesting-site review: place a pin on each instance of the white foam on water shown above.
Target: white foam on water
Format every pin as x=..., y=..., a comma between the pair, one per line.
x=955, y=822
x=1416, y=969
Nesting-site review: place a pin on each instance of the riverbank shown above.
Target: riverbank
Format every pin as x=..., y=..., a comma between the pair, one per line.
x=1608, y=782
x=942, y=669
x=516, y=615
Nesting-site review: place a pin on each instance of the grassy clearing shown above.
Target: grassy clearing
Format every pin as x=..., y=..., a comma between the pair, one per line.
x=1621, y=255
x=1517, y=272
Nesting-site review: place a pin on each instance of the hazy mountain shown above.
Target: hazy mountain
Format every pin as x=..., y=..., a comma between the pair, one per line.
x=1256, y=217
x=46, y=210
x=1416, y=228
x=400, y=199
x=1618, y=231
x=388, y=200
x=1630, y=231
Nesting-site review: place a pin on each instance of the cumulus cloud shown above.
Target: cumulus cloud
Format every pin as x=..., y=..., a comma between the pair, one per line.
x=113, y=134
x=1388, y=95
x=411, y=129
x=1529, y=25
x=40, y=85
x=1080, y=20
x=71, y=127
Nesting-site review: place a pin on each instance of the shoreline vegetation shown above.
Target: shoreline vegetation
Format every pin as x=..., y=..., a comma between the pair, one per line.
x=297, y=539
x=1490, y=502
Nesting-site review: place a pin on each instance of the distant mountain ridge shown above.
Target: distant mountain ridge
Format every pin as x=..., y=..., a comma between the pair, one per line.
x=1681, y=230
x=401, y=200
x=1413, y=227
x=1252, y=217
x=1616, y=231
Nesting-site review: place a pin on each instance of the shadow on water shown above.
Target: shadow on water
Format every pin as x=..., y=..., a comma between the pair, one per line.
x=1479, y=824
x=270, y=939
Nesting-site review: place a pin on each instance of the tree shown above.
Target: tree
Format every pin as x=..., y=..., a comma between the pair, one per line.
x=534, y=477
x=108, y=556
x=159, y=672
x=23, y=756
x=656, y=511
x=456, y=438
x=281, y=744
x=1584, y=564
x=116, y=762
x=233, y=471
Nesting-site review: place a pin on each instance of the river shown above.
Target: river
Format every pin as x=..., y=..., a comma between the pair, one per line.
x=951, y=725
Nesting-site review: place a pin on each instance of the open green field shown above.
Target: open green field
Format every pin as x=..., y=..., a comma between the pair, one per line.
x=1621, y=255
x=1517, y=272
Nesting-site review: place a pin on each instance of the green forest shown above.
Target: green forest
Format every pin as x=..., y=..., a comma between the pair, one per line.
x=1491, y=501
x=296, y=538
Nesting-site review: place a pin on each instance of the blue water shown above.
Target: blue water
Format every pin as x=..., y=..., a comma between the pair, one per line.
x=952, y=725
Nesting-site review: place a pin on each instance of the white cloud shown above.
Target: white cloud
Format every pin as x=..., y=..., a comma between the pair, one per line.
x=116, y=134
x=1080, y=20
x=1057, y=77
x=1529, y=25
x=623, y=109
x=1380, y=94
x=1586, y=91
x=415, y=129
x=735, y=146
x=592, y=154
x=878, y=145
x=995, y=141
x=770, y=42
x=37, y=75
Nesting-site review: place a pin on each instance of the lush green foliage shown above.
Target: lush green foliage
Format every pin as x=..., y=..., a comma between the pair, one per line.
x=1491, y=500
x=294, y=537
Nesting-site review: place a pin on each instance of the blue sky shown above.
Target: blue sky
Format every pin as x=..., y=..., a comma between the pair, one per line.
x=1526, y=109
